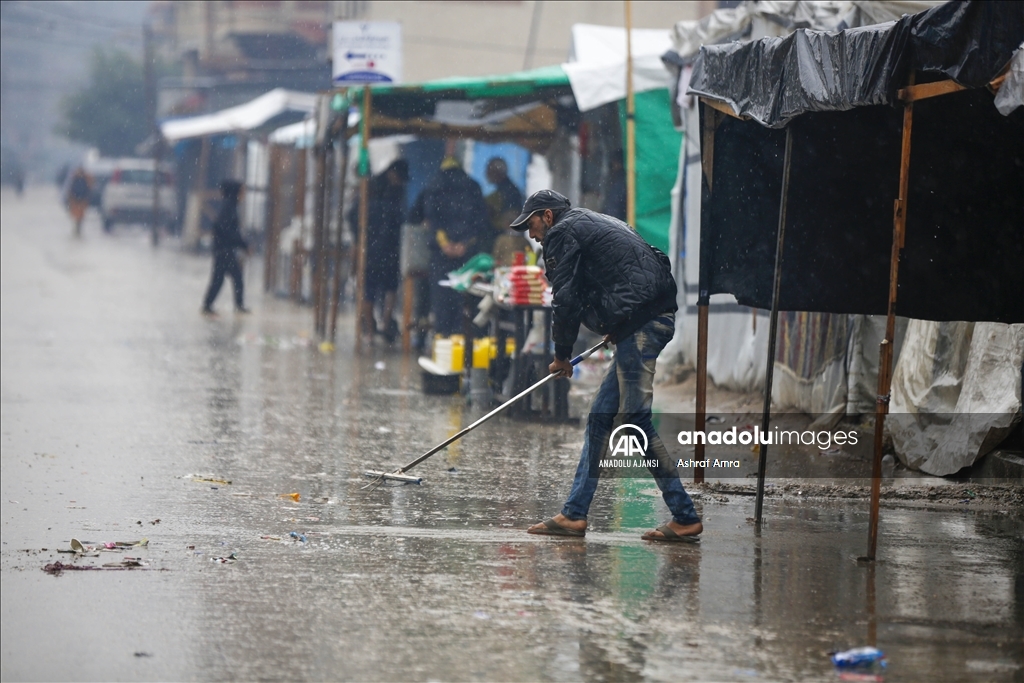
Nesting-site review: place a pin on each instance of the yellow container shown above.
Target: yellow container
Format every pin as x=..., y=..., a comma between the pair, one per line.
x=510, y=347
x=458, y=351
x=482, y=352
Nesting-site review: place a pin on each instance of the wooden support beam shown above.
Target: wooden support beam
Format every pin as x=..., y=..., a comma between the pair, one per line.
x=885, y=351
x=722, y=107
x=913, y=93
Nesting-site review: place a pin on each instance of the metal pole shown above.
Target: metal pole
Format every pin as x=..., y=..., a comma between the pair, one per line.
x=512, y=401
x=630, y=122
x=762, y=461
x=885, y=351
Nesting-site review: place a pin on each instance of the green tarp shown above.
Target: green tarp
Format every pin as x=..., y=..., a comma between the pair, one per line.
x=487, y=87
x=657, y=164
x=657, y=141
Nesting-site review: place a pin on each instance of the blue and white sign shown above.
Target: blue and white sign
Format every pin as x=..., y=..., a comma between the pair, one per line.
x=367, y=52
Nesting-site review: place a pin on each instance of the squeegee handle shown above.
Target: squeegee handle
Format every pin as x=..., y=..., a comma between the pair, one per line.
x=525, y=392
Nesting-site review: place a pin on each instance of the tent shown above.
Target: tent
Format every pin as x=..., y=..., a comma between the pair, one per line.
x=270, y=110
x=825, y=131
x=840, y=377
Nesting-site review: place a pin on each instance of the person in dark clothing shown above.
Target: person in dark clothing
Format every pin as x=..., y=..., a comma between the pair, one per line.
x=79, y=189
x=227, y=238
x=453, y=207
x=503, y=205
x=604, y=275
x=385, y=214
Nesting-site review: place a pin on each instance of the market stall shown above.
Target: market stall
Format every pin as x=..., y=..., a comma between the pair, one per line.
x=801, y=166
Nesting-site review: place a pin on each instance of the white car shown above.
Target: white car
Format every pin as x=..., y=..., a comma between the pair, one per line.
x=128, y=194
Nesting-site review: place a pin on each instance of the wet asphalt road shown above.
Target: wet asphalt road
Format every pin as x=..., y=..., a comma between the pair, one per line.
x=114, y=388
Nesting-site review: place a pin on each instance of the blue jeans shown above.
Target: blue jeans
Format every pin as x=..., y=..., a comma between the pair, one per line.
x=625, y=396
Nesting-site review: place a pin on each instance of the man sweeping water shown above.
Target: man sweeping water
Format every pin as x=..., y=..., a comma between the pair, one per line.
x=605, y=276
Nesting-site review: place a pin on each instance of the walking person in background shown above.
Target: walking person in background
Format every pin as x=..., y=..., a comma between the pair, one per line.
x=77, y=197
x=605, y=276
x=227, y=238
x=385, y=214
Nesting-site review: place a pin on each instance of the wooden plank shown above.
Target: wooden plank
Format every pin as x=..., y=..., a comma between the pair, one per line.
x=913, y=93
x=722, y=107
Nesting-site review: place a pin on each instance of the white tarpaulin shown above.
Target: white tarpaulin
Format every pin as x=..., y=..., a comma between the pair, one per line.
x=248, y=116
x=300, y=134
x=956, y=393
x=597, y=63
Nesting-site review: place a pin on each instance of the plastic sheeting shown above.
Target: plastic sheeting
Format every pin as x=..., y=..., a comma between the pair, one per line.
x=1011, y=95
x=736, y=359
x=773, y=80
x=956, y=393
x=597, y=65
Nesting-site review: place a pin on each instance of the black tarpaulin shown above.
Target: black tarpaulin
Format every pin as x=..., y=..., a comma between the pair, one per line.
x=774, y=79
x=963, y=257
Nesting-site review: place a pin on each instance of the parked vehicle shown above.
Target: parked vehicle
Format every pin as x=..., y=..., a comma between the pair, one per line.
x=128, y=194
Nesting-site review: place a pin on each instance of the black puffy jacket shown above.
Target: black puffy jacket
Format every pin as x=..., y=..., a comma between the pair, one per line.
x=604, y=275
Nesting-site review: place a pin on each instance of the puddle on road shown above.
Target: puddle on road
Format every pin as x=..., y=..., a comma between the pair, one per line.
x=437, y=581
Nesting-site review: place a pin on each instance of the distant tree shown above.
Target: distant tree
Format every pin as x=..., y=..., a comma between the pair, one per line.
x=109, y=112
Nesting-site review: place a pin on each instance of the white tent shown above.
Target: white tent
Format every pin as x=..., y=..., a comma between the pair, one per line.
x=248, y=116
x=597, y=63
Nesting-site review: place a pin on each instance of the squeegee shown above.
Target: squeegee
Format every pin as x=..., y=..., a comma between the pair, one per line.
x=400, y=473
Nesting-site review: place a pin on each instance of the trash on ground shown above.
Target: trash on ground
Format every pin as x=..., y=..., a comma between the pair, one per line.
x=230, y=559
x=859, y=658
x=206, y=478
x=126, y=563
x=301, y=538
x=56, y=568
x=270, y=538
x=379, y=365
x=290, y=496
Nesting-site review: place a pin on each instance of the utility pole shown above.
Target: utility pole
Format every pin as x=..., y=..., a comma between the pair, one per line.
x=149, y=73
x=630, y=123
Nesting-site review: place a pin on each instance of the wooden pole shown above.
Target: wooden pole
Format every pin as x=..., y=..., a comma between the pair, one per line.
x=700, y=419
x=364, y=214
x=325, y=241
x=885, y=351
x=318, y=235
x=709, y=121
x=630, y=122
x=769, y=371
x=273, y=206
x=342, y=179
